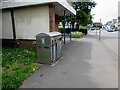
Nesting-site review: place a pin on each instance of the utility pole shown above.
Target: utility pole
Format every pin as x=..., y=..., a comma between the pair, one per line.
x=100, y=31
x=96, y=28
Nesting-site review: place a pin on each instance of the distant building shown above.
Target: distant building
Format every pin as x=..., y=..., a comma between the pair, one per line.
x=119, y=15
x=119, y=22
x=97, y=25
x=109, y=23
x=114, y=21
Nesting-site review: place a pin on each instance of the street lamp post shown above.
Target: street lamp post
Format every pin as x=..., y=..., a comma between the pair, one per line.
x=100, y=31
x=96, y=30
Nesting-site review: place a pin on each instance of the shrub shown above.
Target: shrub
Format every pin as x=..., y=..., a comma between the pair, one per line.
x=76, y=34
x=82, y=27
x=66, y=28
x=61, y=29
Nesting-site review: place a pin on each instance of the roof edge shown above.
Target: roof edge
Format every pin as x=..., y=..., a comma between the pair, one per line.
x=22, y=3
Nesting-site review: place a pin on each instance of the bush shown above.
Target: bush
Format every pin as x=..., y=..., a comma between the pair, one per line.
x=77, y=34
x=66, y=28
x=17, y=65
x=61, y=29
x=82, y=27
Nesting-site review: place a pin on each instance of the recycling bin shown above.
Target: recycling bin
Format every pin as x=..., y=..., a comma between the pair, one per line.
x=48, y=47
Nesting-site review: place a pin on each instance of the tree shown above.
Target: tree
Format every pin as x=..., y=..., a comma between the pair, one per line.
x=83, y=15
x=83, y=9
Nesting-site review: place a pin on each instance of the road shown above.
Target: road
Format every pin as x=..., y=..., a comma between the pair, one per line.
x=87, y=63
x=110, y=40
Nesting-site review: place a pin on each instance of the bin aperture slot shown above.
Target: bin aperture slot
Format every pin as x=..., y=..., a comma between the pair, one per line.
x=53, y=52
x=56, y=49
x=46, y=47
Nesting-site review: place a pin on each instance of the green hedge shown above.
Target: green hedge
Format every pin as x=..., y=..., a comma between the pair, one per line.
x=17, y=65
x=66, y=28
x=82, y=27
x=77, y=34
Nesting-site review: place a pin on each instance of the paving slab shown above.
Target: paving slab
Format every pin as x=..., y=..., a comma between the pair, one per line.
x=86, y=63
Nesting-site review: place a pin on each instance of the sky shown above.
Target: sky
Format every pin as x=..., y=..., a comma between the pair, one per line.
x=106, y=10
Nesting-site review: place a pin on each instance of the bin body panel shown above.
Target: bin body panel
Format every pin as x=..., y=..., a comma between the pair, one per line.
x=44, y=49
x=59, y=46
x=48, y=47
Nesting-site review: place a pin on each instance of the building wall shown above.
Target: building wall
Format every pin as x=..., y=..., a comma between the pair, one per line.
x=119, y=15
x=56, y=22
x=7, y=31
x=30, y=21
x=0, y=24
x=119, y=8
x=53, y=19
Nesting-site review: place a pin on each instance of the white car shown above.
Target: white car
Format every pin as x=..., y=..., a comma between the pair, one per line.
x=109, y=29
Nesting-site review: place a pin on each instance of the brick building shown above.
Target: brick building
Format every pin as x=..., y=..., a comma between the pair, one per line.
x=22, y=20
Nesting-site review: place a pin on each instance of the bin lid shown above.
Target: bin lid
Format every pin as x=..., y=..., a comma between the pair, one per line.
x=51, y=34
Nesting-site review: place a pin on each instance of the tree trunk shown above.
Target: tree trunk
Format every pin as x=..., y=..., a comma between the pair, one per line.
x=73, y=26
x=77, y=26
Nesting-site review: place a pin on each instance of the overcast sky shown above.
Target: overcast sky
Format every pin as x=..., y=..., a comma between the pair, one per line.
x=106, y=10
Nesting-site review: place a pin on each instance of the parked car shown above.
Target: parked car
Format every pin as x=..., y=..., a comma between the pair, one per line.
x=110, y=29
x=92, y=28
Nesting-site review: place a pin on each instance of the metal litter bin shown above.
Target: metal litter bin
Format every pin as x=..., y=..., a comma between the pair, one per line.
x=48, y=47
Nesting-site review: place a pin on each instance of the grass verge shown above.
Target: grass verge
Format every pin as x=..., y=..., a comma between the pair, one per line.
x=17, y=65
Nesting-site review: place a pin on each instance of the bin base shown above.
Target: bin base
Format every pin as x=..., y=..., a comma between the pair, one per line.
x=56, y=61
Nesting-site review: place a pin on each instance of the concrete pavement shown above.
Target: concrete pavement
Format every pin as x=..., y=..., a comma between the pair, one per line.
x=86, y=63
x=111, y=40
